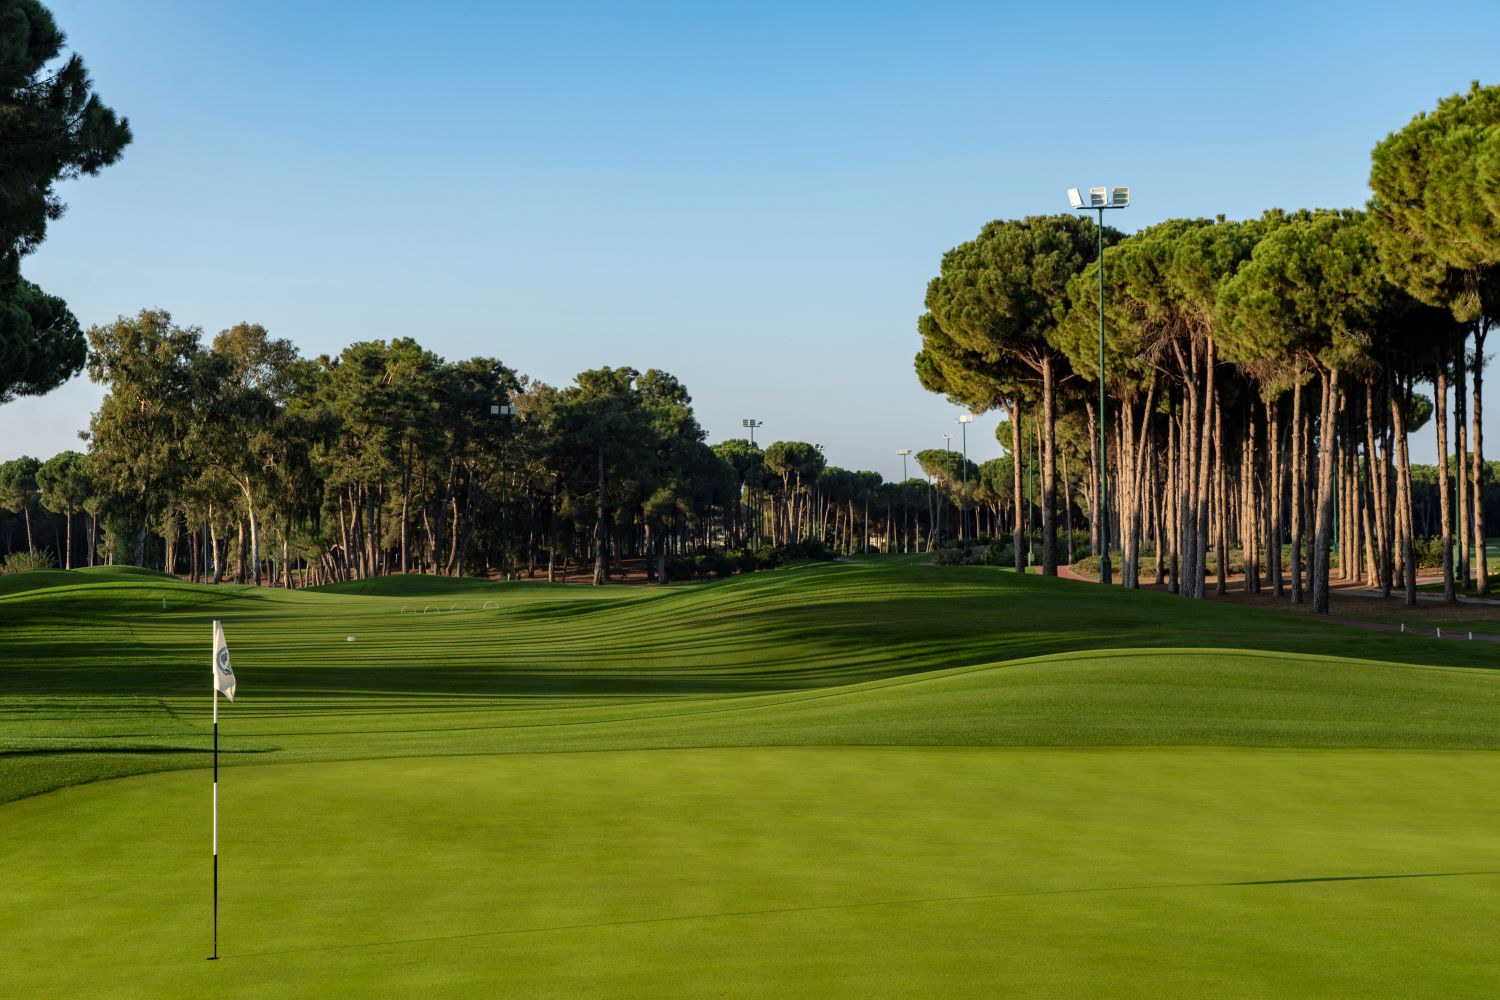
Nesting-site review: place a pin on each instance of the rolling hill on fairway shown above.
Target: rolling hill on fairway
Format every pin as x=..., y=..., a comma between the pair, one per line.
x=891, y=759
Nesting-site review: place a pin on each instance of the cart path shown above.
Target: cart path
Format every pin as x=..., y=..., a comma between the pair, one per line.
x=1066, y=572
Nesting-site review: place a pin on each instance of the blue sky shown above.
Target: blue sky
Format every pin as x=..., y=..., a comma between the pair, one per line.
x=751, y=197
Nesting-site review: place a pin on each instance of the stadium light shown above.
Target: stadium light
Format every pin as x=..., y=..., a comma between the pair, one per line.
x=751, y=423
x=1099, y=200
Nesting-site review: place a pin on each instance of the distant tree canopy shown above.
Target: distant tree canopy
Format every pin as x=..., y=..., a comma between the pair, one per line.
x=52, y=127
x=236, y=457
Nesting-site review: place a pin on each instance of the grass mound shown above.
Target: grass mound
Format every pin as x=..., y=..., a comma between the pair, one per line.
x=41, y=579
x=101, y=680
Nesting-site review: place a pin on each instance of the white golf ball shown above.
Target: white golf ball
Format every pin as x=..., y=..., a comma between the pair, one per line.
x=350, y=639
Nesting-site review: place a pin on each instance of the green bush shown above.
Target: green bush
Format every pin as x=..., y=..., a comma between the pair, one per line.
x=949, y=556
x=744, y=560
x=713, y=562
x=1429, y=552
x=1088, y=566
x=981, y=552
x=768, y=557
x=20, y=562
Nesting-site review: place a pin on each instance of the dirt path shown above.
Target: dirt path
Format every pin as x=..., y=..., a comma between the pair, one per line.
x=1431, y=617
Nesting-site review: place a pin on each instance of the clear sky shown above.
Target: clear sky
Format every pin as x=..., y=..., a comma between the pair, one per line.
x=752, y=197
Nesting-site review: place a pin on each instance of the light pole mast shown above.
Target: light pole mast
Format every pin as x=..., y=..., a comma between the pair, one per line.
x=751, y=423
x=947, y=477
x=1099, y=200
x=905, y=504
x=503, y=410
x=964, y=420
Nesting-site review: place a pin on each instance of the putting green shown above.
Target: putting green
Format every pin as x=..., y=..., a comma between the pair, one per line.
x=877, y=779
x=760, y=872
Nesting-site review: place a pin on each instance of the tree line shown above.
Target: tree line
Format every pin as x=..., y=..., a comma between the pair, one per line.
x=234, y=457
x=1261, y=374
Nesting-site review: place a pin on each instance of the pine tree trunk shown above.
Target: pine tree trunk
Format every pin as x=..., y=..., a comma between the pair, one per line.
x=1461, y=471
x=1298, y=467
x=1017, y=528
x=1406, y=517
x=1201, y=493
x=1481, y=554
x=1323, y=539
x=1187, y=519
x=213, y=539
x=1445, y=502
x=1221, y=538
x=1172, y=496
x=1376, y=476
x=601, y=531
x=1049, y=470
x=1093, y=442
x=1124, y=492
x=1249, y=543
x=1275, y=482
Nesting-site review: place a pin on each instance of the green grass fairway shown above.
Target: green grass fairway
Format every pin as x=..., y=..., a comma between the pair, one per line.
x=867, y=780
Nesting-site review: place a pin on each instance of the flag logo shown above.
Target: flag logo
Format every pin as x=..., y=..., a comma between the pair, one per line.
x=223, y=672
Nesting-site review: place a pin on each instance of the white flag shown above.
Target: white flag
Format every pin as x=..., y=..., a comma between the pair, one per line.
x=223, y=672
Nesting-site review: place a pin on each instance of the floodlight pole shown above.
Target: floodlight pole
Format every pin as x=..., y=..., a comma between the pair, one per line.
x=751, y=423
x=905, y=504
x=1033, y=445
x=1120, y=198
x=963, y=498
x=1104, y=567
x=947, y=471
x=504, y=410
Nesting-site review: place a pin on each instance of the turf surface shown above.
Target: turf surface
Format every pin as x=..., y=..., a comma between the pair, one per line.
x=871, y=779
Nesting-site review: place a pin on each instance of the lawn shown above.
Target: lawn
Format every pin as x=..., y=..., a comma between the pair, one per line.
x=869, y=779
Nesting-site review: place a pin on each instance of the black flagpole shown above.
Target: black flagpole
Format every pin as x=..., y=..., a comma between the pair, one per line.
x=215, y=955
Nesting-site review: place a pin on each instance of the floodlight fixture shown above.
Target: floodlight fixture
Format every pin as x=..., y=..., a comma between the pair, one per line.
x=1119, y=197
x=903, y=452
x=966, y=418
x=751, y=423
x=499, y=410
x=1075, y=198
x=1098, y=197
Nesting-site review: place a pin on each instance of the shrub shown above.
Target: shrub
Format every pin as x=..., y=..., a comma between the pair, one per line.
x=949, y=556
x=713, y=562
x=1429, y=552
x=20, y=562
x=768, y=557
x=744, y=560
